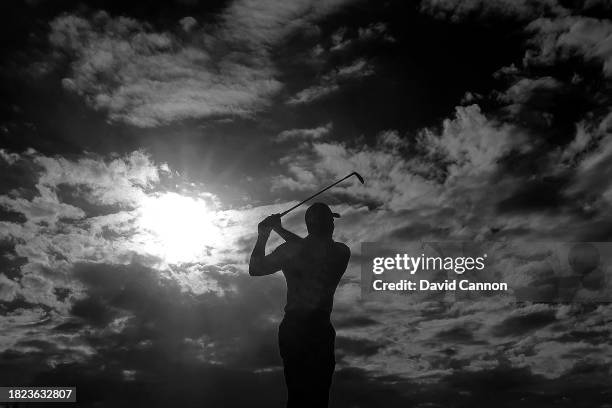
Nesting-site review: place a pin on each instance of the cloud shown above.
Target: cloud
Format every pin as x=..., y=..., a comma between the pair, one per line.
x=457, y=339
x=472, y=143
x=9, y=158
x=128, y=301
x=129, y=324
x=521, y=324
x=345, y=38
x=522, y=90
x=301, y=179
x=375, y=31
x=147, y=78
x=566, y=120
x=467, y=148
x=542, y=358
x=339, y=42
x=88, y=290
x=313, y=93
x=593, y=171
x=113, y=218
x=8, y=289
x=297, y=134
x=558, y=39
x=332, y=81
x=124, y=310
x=462, y=180
x=188, y=23
x=118, y=181
x=458, y=10
x=54, y=234
x=44, y=208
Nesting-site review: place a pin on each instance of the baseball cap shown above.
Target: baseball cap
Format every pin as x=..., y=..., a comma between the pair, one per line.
x=319, y=211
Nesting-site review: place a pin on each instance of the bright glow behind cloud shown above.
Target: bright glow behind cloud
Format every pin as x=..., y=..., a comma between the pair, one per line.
x=181, y=227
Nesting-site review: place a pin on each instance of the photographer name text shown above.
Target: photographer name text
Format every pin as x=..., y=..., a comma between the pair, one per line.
x=425, y=285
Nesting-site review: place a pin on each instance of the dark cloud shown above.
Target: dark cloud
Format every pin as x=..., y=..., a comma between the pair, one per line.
x=459, y=335
x=536, y=195
x=519, y=325
x=520, y=9
x=354, y=321
x=360, y=347
x=590, y=337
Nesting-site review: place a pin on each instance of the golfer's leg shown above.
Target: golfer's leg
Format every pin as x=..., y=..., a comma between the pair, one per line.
x=321, y=384
x=293, y=366
x=328, y=365
x=321, y=367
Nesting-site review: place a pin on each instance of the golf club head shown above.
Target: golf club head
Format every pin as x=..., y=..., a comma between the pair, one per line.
x=359, y=177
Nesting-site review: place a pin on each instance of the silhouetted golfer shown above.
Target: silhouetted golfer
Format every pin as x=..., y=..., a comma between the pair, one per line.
x=312, y=267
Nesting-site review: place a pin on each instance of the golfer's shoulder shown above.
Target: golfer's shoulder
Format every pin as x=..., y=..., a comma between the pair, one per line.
x=289, y=248
x=342, y=249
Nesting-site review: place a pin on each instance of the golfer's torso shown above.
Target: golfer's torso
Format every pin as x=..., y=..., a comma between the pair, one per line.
x=312, y=275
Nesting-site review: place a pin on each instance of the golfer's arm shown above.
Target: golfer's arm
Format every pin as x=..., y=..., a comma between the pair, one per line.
x=258, y=265
x=287, y=235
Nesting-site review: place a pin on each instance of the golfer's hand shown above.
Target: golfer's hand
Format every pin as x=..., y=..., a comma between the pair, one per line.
x=274, y=221
x=264, y=227
x=269, y=223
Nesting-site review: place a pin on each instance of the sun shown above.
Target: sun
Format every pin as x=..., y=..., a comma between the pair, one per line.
x=178, y=228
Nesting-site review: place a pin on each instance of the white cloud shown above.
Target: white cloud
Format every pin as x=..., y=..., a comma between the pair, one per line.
x=297, y=134
x=339, y=40
x=56, y=234
x=358, y=69
x=313, y=93
x=188, y=23
x=466, y=150
x=332, y=81
x=10, y=158
x=594, y=171
x=301, y=179
x=147, y=78
x=8, y=289
x=524, y=88
x=450, y=182
x=560, y=38
x=472, y=143
x=43, y=208
x=118, y=181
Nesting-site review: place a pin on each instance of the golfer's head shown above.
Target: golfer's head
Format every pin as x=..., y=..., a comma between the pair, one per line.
x=320, y=219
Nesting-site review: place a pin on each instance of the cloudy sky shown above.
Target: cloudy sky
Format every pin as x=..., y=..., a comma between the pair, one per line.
x=142, y=142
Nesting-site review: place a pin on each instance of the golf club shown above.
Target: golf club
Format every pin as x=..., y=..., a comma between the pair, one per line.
x=321, y=191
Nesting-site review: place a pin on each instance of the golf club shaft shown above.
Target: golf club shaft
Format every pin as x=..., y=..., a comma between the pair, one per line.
x=316, y=194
